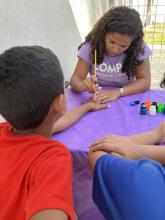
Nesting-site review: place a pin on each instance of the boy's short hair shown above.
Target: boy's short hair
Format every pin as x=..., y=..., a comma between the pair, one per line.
x=30, y=79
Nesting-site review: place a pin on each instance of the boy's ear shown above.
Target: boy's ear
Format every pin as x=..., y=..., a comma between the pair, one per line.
x=59, y=105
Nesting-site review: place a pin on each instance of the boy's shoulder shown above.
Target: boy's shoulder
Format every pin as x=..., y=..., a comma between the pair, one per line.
x=38, y=166
x=33, y=144
x=4, y=124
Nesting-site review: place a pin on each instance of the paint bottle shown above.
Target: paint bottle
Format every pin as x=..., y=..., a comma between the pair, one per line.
x=152, y=110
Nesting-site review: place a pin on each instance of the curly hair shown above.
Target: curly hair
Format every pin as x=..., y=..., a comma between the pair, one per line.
x=122, y=20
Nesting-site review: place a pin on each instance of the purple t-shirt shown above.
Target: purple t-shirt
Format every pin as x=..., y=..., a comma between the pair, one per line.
x=109, y=71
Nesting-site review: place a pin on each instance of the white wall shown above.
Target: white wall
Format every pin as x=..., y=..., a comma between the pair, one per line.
x=49, y=23
x=87, y=12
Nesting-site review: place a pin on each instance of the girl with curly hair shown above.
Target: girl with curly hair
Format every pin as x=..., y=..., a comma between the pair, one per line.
x=122, y=57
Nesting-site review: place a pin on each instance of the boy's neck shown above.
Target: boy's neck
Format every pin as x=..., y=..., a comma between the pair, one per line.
x=45, y=133
x=44, y=129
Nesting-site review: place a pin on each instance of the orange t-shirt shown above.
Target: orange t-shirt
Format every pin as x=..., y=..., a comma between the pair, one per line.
x=35, y=174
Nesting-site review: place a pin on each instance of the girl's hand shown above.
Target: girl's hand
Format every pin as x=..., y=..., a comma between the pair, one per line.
x=89, y=84
x=104, y=96
x=120, y=145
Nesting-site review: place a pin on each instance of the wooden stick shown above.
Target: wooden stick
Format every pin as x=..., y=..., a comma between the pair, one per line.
x=95, y=72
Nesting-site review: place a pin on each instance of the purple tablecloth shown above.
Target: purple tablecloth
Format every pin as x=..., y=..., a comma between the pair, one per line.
x=120, y=119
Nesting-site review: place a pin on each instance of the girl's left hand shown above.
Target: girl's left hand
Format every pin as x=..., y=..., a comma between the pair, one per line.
x=104, y=96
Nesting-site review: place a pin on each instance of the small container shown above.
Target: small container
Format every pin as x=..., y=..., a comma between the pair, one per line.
x=164, y=110
x=155, y=104
x=160, y=107
x=148, y=104
x=143, y=110
x=152, y=110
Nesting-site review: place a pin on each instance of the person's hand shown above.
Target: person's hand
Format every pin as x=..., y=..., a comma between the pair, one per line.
x=119, y=145
x=104, y=96
x=89, y=84
x=95, y=105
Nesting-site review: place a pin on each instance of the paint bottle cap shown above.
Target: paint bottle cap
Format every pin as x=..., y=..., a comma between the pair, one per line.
x=154, y=103
x=134, y=103
x=143, y=104
x=148, y=102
